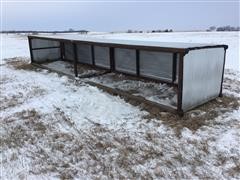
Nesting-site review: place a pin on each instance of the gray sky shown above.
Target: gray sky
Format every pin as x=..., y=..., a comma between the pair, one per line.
x=114, y=16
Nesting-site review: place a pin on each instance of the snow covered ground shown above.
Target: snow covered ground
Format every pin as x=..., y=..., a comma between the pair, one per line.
x=53, y=127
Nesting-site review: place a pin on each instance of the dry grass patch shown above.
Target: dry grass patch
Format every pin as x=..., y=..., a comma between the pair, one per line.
x=20, y=128
x=99, y=152
x=13, y=100
x=21, y=63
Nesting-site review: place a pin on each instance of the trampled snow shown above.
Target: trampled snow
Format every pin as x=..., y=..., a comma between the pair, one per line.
x=158, y=92
x=53, y=127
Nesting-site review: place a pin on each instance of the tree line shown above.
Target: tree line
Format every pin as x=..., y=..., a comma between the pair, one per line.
x=223, y=28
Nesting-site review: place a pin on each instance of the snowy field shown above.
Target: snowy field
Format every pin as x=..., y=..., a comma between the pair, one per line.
x=53, y=127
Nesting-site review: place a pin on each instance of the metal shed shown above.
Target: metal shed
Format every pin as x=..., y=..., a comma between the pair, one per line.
x=195, y=70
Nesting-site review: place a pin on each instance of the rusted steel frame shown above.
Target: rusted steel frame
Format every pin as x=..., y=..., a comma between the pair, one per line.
x=220, y=93
x=75, y=59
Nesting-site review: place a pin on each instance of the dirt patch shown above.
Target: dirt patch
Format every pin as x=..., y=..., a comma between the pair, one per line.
x=8, y=102
x=21, y=63
x=197, y=117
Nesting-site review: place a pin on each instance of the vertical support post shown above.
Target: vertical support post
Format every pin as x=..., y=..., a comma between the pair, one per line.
x=62, y=49
x=112, y=59
x=75, y=59
x=220, y=93
x=174, y=67
x=30, y=49
x=137, y=62
x=93, y=55
x=180, y=85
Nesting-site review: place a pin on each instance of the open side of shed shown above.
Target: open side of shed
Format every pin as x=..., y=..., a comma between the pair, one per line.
x=195, y=70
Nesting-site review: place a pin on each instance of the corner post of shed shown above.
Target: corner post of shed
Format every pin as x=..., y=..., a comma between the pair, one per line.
x=75, y=59
x=180, y=83
x=225, y=50
x=30, y=49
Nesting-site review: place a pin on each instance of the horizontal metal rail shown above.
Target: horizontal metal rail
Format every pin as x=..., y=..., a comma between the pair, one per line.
x=46, y=48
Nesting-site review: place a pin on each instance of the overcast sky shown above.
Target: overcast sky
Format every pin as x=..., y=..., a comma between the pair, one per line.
x=118, y=16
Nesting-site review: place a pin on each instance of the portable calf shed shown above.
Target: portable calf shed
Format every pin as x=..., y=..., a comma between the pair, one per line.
x=196, y=70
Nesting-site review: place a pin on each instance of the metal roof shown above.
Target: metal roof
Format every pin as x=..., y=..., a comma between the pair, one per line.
x=124, y=42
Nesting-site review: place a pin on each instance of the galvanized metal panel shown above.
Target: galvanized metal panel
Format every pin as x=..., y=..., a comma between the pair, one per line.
x=125, y=60
x=156, y=64
x=42, y=55
x=69, y=53
x=102, y=56
x=202, y=74
x=41, y=43
x=177, y=71
x=84, y=53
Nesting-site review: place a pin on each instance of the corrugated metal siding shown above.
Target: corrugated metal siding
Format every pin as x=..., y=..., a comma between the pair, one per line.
x=125, y=60
x=202, y=76
x=46, y=54
x=177, y=71
x=84, y=53
x=102, y=56
x=156, y=64
x=69, y=52
x=41, y=43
